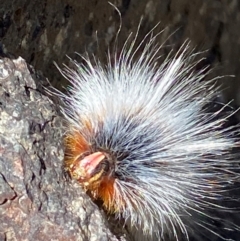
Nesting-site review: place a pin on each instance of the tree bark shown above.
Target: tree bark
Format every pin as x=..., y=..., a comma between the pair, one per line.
x=37, y=200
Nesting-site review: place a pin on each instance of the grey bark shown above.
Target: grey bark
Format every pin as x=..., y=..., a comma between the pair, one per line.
x=37, y=201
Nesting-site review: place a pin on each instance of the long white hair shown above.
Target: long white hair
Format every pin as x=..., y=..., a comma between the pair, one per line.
x=174, y=164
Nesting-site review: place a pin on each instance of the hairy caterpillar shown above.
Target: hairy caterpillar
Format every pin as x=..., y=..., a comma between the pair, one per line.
x=141, y=138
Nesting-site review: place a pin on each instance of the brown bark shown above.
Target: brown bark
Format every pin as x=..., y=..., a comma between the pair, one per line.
x=45, y=31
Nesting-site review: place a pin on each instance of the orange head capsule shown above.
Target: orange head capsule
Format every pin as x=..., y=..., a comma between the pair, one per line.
x=94, y=170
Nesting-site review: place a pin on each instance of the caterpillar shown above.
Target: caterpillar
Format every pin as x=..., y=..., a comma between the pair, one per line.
x=141, y=137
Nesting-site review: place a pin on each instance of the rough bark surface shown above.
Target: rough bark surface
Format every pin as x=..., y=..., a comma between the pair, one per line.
x=36, y=200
